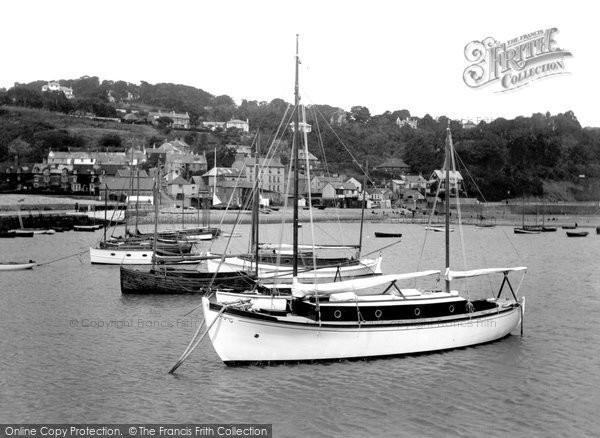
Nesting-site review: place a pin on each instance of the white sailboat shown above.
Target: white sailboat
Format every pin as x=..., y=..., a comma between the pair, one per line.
x=370, y=317
x=273, y=263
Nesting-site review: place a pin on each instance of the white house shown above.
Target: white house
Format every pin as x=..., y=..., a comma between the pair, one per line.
x=238, y=124
x=55, y=86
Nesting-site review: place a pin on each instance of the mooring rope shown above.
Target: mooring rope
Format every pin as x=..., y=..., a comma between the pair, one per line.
x=65, y=257
x=196, y=341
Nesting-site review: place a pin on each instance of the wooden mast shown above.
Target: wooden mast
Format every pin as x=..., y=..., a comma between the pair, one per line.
x=447, y=198
x=254, y=239
x=295, y=158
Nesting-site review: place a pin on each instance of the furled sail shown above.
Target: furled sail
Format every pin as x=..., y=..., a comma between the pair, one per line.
x=300, y=290
x=453, y=275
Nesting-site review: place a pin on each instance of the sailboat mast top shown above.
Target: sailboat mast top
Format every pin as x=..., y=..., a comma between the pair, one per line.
x=296, y=145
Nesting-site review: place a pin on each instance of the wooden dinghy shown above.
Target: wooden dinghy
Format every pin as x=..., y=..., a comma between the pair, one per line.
x=16, y=266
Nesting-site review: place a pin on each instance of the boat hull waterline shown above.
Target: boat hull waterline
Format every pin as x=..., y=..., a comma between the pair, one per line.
x=242, y=339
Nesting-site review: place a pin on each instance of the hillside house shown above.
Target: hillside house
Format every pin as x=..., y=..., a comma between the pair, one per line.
x=180, y=120
x=438, y=177
x=394, y=167
x=271, y=173
x=55, y=86
x=339, y=194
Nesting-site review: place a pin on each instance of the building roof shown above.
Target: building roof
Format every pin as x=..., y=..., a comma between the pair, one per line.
x=124, y=184
x=344, y=186
x=262, y=162
x=223, y=171
x=393, y=163
x=128, y=173
x=412, y=193
x=179, y=180
x=186, y=158
x=111, y=158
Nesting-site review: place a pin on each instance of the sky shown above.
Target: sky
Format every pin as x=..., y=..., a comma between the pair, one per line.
x=384, y=55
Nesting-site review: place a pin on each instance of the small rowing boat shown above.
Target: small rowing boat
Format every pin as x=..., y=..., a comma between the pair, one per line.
x=577, y=233
x=16, y=266
x=383, y=234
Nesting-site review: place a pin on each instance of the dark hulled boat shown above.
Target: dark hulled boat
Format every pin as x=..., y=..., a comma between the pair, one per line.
x=181, y=281
x=383, y=234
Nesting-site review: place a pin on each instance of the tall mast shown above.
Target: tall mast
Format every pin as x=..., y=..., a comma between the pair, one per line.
x=295, y=154
x=447, y=197
x=215, y=180
x=254, y=240
x=155, y=196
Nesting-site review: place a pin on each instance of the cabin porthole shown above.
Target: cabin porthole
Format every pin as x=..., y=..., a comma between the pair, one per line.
x=128, y=255
x=144, y=255
x=417, y=311
x=337, y=314
x=451, y=308
x=378, y=313
x=256, y=335
x=112, y=254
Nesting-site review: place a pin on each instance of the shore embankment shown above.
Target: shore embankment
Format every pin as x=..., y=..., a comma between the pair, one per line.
x=507, y=213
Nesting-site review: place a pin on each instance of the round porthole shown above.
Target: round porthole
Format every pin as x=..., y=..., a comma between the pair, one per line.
x=128, y=255
x=144, y=255
x=378, y=313
x=256, y=335
x=417, y=311
x=451, y=308
x=112, y=254
x=337, y=314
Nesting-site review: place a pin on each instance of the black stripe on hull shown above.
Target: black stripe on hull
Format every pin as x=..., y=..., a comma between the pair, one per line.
x=366, y=324
x=378, y=313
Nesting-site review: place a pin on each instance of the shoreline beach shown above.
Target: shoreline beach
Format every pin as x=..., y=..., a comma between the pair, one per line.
x=495, y=213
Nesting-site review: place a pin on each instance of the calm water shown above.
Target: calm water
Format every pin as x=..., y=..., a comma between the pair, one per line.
x=73, y=349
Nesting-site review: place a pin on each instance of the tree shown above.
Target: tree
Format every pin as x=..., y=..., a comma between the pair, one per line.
x=20, y=149
x=164, y=124
x=359, y=114
x=110, y=140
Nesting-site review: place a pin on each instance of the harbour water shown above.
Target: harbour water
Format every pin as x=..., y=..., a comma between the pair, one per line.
x=74, y=350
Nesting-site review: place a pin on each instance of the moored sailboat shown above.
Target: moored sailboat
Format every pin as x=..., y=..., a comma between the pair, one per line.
x=368, y=317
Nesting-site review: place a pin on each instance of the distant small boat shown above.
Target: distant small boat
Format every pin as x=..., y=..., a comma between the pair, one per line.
x=438, y=229
x=7, y=234
x=28, y=232
x=485, y=225
x=597, y=230
x=546, y=229
x=23, y=233
x=16, y=266
x=577, y=233
x=538, y=228
x=321, y=207
x=382, y=234
x=89, y=228
x=519, y=230
x=569, y=227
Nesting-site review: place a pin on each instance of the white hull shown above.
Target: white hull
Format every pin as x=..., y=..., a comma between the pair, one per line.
x=114, y=216
x=239, y=338
x=267, y=271
x=119, y=257
x=16, y=266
